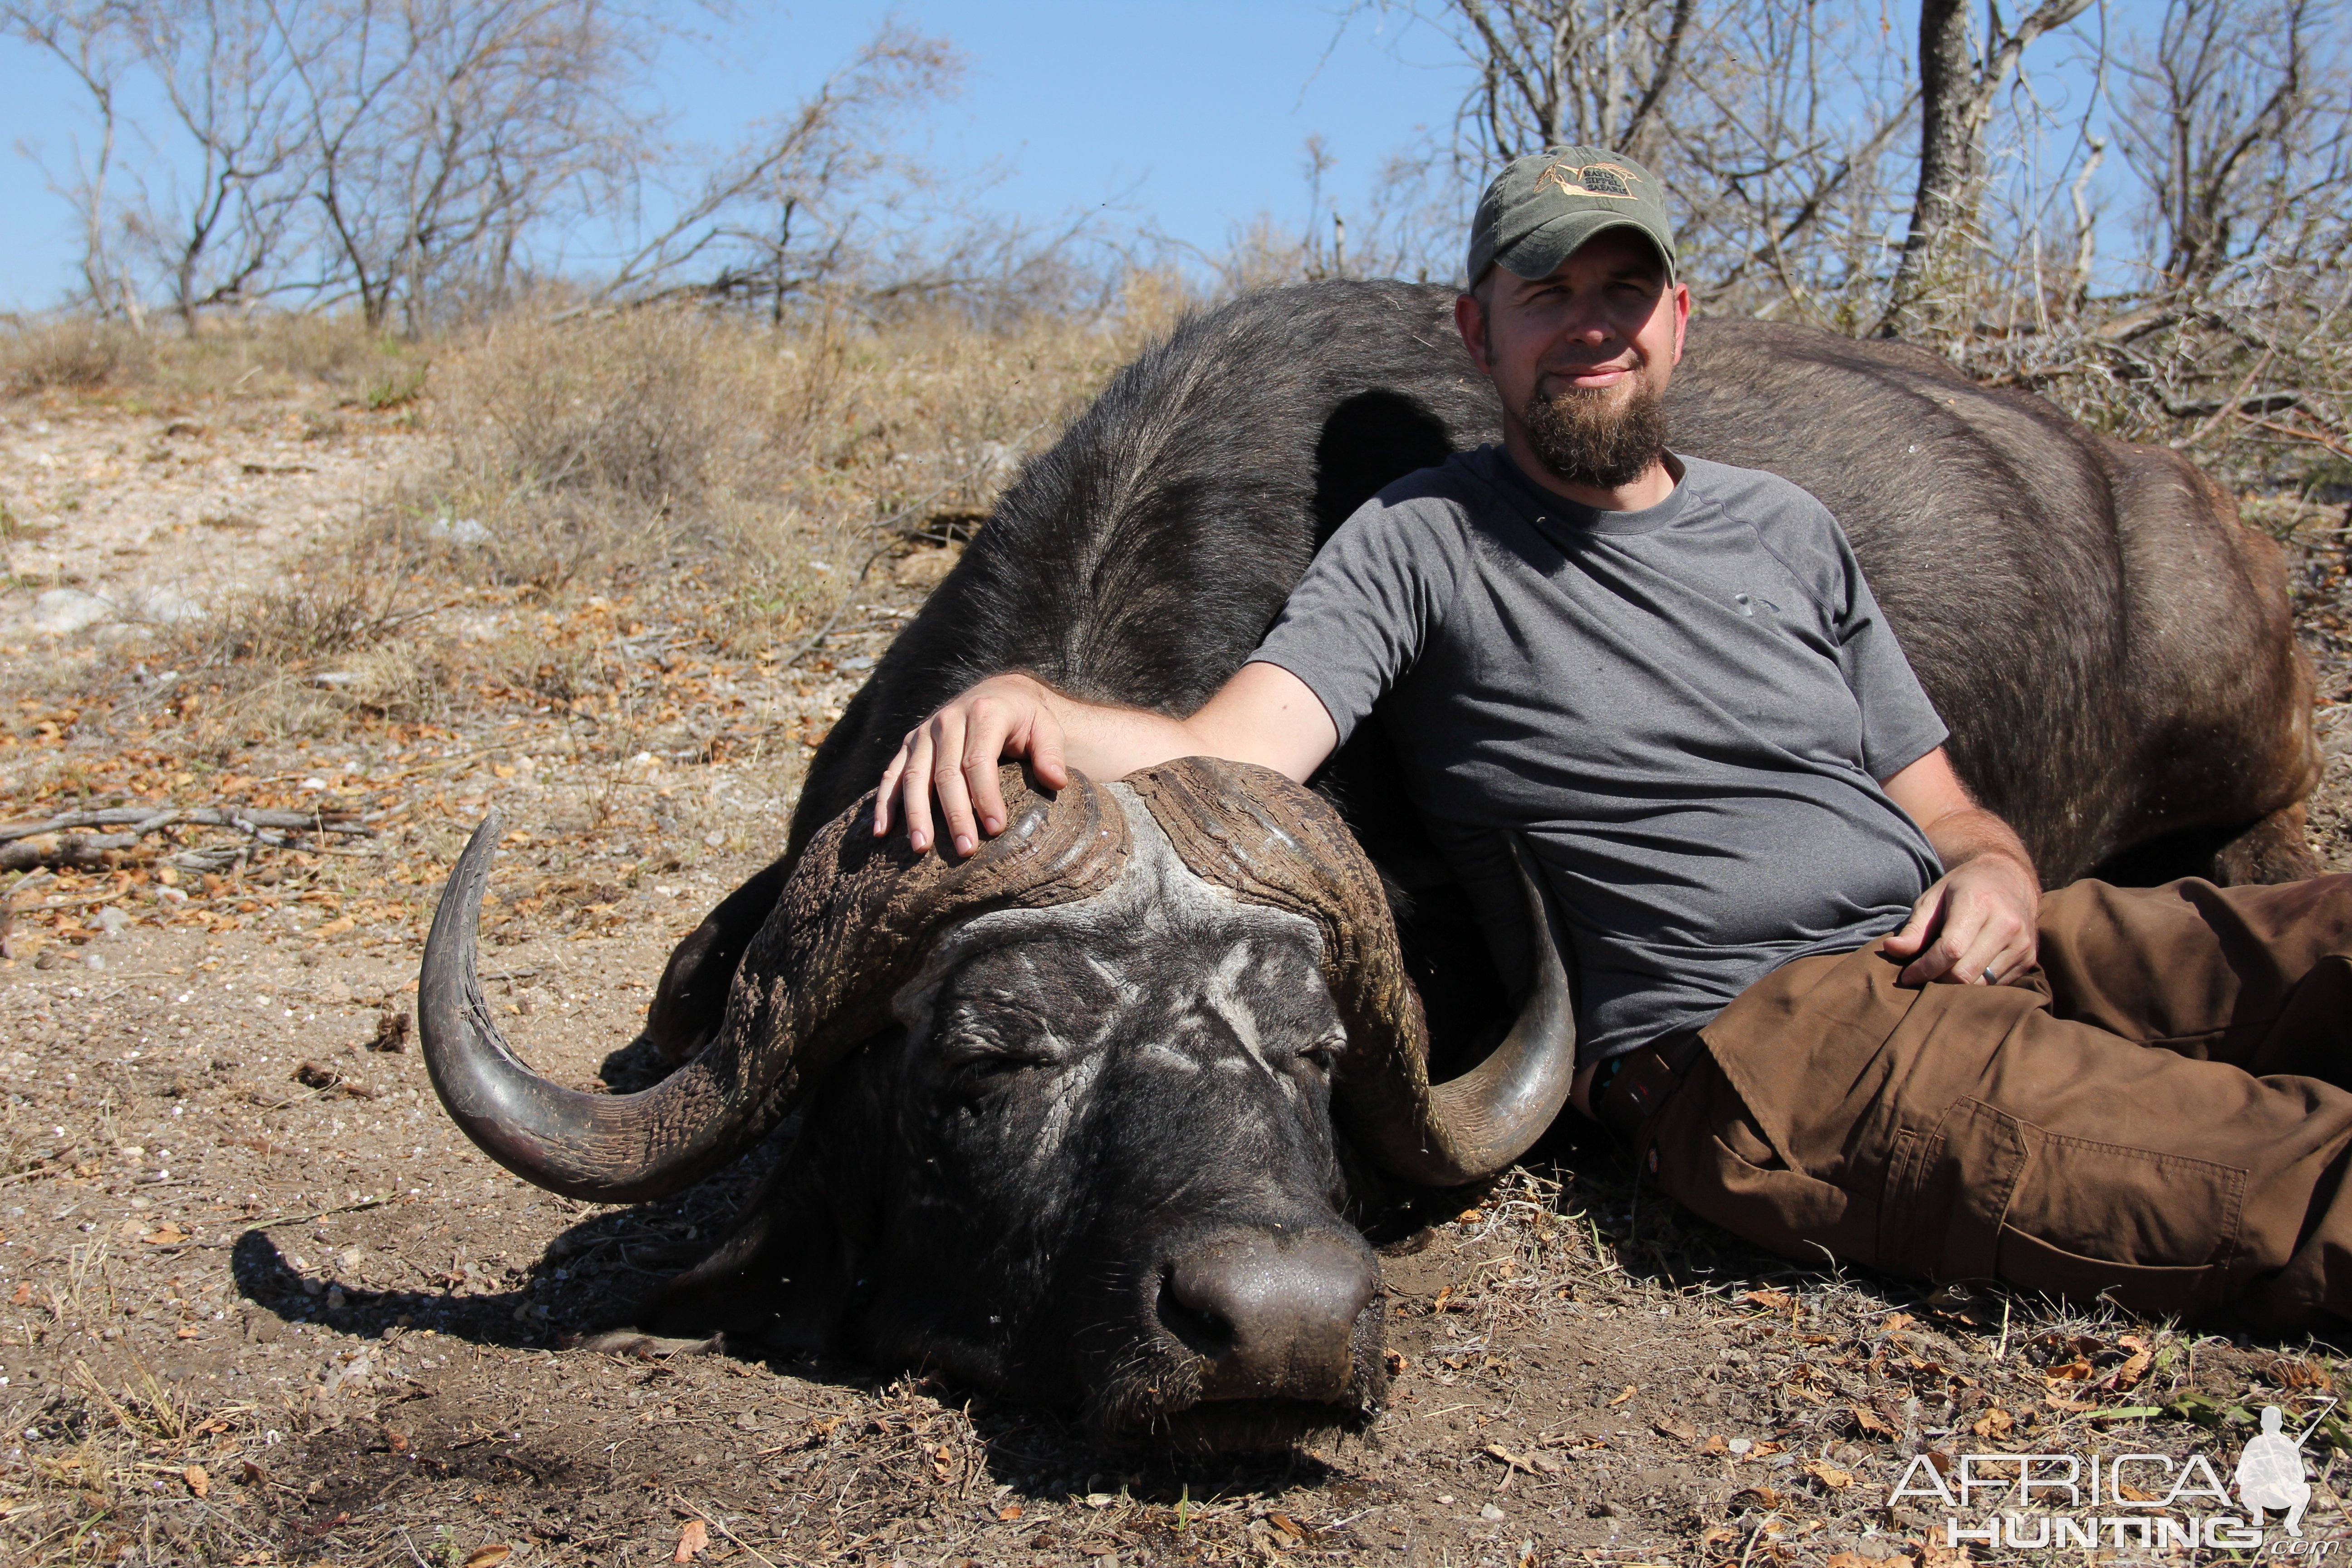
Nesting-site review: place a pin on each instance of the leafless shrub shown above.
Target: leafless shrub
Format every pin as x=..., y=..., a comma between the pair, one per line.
x=77, y=355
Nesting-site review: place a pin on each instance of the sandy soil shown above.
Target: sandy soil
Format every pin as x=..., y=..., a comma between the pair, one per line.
x=162, y=515
x=260, y=1303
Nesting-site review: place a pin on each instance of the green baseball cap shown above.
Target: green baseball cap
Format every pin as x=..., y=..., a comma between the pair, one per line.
x=1541, y=207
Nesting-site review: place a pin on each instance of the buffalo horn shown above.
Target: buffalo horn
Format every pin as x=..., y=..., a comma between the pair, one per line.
x=851, y=923
x=1272, y=842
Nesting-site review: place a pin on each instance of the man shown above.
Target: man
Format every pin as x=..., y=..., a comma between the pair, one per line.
x=1817, y=983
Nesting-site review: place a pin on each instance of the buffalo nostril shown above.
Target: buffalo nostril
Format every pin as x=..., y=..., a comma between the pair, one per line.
x=1274, y=1317
x=1196, y=1324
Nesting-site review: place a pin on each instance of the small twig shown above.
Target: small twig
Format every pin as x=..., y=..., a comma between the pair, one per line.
x=144, y=820
x=297, y=1217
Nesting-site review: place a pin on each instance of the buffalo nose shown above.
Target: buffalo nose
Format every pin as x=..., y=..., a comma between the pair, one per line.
x=1273, y=1315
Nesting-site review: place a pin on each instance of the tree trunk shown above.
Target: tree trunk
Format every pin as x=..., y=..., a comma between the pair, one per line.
x=1949, y=155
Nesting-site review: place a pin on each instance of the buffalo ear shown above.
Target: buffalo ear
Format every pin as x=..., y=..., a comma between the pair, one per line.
x=787, y=1275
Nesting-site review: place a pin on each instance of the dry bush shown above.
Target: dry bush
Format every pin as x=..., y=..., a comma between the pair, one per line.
x=77, y=355
x=261, y=357
x=592, y=450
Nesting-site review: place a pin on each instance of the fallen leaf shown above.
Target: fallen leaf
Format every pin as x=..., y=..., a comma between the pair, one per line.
x=2134, y=1366
x=1009, y=1513
x=1867, y=1420
x=1670, y=1428
x=1828, y=1475
x=250, y=1474
x=199, y=1482
x=23, y=1298
x=186, y=1332
x=1770, y=1301
x=1894, y=1321
x=1397, y=1362
x=1717, y=1444
x=692, y=1542
x=1282, y=1521
x=490, y=1556
x=1763, y=1497
x=168, y=1234
x=2133, y=1494
x=1621, y=1398
x=1853, y=1560
x=1994, y=1423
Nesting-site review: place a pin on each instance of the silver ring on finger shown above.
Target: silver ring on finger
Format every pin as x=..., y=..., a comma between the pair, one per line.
x=1990, y=977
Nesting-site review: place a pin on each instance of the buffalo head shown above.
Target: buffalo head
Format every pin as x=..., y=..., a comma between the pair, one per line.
x=1080, y=1116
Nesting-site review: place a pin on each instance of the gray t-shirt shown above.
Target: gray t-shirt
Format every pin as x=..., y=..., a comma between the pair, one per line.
x=1685, y=709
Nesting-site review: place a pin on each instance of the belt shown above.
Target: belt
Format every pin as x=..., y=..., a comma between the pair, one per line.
x=1633, y=1086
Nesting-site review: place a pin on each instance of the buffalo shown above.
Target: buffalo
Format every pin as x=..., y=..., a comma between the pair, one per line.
x=1100, y=1114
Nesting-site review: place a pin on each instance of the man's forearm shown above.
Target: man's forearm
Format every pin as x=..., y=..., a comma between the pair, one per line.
x=1110, y=742
x=1265, y=715
x=1972, y=833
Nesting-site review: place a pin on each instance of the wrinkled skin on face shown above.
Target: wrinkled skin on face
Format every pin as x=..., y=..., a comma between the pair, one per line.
x=1095, y=1164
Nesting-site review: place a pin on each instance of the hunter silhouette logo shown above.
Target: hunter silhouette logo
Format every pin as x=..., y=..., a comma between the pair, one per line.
x=1614, y=180
x=2271, y=1473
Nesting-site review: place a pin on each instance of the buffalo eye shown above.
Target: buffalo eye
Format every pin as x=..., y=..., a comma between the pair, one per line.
x=978, y=1056
x=1323, y=1054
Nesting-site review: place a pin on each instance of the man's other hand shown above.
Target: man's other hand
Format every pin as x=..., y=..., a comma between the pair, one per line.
x=1975, y=926
x=1978, y=924
x=954, y=755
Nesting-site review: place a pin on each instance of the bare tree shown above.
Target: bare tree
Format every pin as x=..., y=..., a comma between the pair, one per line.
x=2234, y=123
x=784, y=212
x=1555, y=71
x=89, y=39
x=229, y=84
x=1960, y=79
x=441, y=130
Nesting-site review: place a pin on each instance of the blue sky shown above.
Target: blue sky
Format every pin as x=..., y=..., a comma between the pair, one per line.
x=1193, y=115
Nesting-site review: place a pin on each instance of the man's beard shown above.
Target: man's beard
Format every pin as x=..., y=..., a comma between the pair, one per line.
x=1586, y=436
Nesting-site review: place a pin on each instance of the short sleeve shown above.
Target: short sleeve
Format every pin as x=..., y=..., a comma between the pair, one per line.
x=1899, y=725
x=1367, y=604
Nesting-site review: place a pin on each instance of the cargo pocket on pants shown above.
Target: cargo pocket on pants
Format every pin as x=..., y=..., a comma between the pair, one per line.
x=1714, y=1163
x=1983, y=1194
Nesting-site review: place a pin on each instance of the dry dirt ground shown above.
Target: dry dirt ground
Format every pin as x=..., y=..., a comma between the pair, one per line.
x=260, y=1303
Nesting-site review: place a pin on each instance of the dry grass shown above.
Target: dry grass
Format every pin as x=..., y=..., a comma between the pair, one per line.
x=331, y=357
x=665, y=469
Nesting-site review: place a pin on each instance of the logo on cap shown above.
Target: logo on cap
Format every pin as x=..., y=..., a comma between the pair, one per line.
x=1592, y=179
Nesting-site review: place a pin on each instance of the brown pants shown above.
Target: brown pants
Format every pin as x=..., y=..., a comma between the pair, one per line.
x=2161, y=1115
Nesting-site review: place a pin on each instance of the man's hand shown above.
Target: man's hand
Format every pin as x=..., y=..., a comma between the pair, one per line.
x=955, y=753
x=1974, y=926
x=1978, y=924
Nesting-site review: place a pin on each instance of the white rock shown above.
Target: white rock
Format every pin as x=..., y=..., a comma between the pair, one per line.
x=458, y=531
x=60, y=612
x=167, y=608
x=112, y=919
